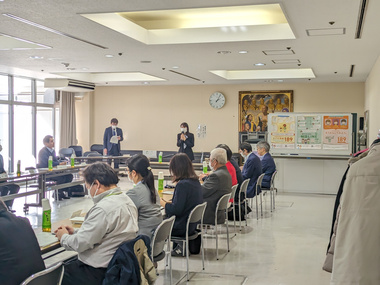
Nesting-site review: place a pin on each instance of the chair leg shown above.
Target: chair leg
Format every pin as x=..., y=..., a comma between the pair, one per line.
x=274, y=203
x=228, y=236
x=257, y=207
x=216, y=234
x=187, y=258
x=261, y=205
x=246, y=212
x=233, y=212
x=271, y=199
x=203, y=251
x=240, y=214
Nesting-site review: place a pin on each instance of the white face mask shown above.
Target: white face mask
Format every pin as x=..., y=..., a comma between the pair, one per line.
x=89, y=191
x=209, y=164
x=130, y=179
x=243, y=155
x=183, y=130
x=113, y=127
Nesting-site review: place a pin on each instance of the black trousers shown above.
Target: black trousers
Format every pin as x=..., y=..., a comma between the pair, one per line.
x=79, y=273
x=9, y=190
x=114, y=152
x=67, y=178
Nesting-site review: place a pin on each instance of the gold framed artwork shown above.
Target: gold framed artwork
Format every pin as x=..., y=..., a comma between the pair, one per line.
x=254, y=107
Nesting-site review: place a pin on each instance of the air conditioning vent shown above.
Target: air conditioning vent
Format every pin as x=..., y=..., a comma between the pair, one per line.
x=69, y=85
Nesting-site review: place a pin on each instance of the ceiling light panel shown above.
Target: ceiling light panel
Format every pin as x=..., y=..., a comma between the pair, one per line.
x=286, y=61
x=265, y=74
x=112, y=77
x=326, y=32
x=12, y=43
x=201, y=25
x=279, y=52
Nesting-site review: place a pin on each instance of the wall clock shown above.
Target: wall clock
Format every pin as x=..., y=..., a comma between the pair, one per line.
x=217, y=100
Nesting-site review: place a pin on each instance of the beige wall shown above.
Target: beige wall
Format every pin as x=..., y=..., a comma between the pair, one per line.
x=372, y=100
x=150, y=115
x=83, y=112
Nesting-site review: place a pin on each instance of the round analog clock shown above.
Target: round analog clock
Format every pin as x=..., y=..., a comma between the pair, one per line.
x=217, y=100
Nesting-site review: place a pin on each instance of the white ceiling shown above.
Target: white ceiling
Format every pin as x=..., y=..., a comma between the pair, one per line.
x=330, y=57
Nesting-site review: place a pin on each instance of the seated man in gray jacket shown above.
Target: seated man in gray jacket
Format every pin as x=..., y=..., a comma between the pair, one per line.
x=217, y=184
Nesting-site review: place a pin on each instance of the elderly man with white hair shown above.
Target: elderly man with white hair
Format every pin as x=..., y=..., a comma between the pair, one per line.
x=217, y=184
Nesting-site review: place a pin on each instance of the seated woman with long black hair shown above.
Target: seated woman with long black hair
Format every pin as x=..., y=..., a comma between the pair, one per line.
x=187, y=195
x=144, y=194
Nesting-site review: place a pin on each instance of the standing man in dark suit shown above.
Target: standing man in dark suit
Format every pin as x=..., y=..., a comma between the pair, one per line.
x=267, y=163
x=251, y=169
x=43, y=162
x=111, y=141
x=185, y=141
x=217, y=184
x=20, y=254
x=7, y=189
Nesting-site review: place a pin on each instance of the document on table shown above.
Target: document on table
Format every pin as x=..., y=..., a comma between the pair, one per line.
x=45, y=238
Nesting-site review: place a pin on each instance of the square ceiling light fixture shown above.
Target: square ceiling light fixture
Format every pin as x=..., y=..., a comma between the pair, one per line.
x=296, y=73
x=200, y=25
x=12, y=43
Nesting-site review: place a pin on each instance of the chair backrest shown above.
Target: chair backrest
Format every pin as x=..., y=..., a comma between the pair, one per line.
x=91, y=153
x=272, y=179
x=160, y=235
x=49, y=276
x=197, y=213
x=233, y=191
x=98, y=148
x=66, y=152
x=222, y=205
x=77, y=149
x=259, y=181
x=243, y=188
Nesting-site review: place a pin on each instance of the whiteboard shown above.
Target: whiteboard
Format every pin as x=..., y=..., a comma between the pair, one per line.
x=310, y=134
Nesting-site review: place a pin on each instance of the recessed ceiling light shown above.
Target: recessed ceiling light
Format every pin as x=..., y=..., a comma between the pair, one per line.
x=280, y=80
x=224, y=52
x=84, y=68
x=109, y=55
x=259, y=64
x=146, y=83
x=36, y=57
x=175, y=67
x=243, y=51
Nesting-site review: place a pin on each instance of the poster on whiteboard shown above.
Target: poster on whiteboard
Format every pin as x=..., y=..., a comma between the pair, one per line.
x=283, y=132
x=335, y=132
x=309, y=132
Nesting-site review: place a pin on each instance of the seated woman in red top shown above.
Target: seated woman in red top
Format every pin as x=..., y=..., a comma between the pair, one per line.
x=231, y=169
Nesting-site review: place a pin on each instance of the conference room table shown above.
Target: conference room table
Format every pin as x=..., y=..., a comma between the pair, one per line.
x=103, y=158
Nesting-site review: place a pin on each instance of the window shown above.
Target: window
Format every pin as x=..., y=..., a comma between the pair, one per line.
x=4, y=90
x=44, y=126
x=23, y=136
x=4, y=134
x=22, y=90
x=44, y=95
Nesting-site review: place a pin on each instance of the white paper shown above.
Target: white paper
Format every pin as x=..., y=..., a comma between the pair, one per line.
x=114, y=139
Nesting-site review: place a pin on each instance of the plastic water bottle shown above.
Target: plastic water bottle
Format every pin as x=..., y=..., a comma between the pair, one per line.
x=72, y=160
x=160, y=157
x=160, y=183
x=19, y=168
x=46, y=216
x=205, y=167
x=50, y=163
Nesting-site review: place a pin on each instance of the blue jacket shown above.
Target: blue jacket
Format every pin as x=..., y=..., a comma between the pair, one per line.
x=124, y=267
x=43, y=158
x=269, y=167
x=252, y=170
x=108, y=133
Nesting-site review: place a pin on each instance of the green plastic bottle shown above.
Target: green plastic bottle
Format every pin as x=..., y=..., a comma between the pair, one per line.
x=160, y=157
x=160, y=183
x=46, y=216
x=72, y=160
x=205, y=167
x=19, y=168
x=50, y=163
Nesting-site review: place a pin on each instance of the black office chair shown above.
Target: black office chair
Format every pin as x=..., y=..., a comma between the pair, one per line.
x=98, y=148
x=78, y=150
x=66, y=153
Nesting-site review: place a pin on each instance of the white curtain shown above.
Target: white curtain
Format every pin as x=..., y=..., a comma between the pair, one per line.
x=68, y=132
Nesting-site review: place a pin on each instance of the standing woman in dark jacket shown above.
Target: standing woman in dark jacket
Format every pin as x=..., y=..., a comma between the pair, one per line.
x=185, y=141
x=187, y=194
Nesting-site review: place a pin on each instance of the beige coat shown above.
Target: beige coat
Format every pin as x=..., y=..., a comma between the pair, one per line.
x=357, y=245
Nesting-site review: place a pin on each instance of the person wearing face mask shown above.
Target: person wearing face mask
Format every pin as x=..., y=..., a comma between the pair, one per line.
x=251, y=169
x=7, y=189
x=109, y=223
x=111, y=141
x=215, y=185
x=144, y=194
x=185, y=141
x=267, y=162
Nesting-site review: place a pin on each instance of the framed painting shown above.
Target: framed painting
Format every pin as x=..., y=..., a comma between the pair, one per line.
x=254, y=107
